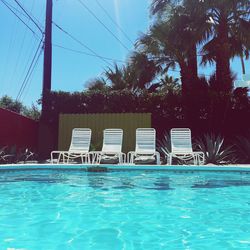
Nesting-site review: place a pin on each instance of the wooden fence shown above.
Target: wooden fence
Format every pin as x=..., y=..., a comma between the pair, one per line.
x=98, y=122
x=17, y=130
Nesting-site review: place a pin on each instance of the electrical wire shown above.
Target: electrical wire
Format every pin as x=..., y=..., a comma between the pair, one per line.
x=29, y=16
x=81, y=43
x=29, y=79
x=114, y=22
x=85, y=53
x=104, y=25
x=34, y=33
x=20, y=50
x=17, y=10
x=30, y=70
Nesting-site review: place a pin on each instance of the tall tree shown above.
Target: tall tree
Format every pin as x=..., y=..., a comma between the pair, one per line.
x=229, y=37
x=173, y=42
x=96, y=84
x=119, y=77
x=144, y=70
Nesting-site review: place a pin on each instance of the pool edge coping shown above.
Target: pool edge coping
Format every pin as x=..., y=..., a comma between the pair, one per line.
x=126, y=167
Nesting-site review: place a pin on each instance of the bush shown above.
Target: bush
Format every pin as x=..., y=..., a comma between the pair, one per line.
x=214, y=150
x=243, y=148
x=164, y=146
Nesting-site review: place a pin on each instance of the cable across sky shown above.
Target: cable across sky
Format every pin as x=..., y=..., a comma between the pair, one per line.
x=101, y=33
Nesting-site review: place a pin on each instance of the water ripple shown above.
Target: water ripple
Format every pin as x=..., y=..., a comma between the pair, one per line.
x=124, y=210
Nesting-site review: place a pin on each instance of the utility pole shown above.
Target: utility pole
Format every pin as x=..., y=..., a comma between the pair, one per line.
x=46, y=140
x=47, y=64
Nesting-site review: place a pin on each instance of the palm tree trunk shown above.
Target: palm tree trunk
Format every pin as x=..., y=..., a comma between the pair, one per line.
x=242, y=65
x=185, y=79
x=192, y=62
x=187, y=100
x=223, y=73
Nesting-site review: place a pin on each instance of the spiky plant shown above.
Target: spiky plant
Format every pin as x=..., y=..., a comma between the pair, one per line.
x=214, y=150
x=243, y=148
x=164, y=146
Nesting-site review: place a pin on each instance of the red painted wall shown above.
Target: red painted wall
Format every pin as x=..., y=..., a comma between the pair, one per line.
x=18, y=130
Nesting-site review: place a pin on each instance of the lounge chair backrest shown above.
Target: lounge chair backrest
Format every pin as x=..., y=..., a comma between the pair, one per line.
x=80, y=140
x=181, y=140
x=112, y=140
x=145, y=140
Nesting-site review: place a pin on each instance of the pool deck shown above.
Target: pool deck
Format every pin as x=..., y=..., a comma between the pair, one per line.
x=126, y=167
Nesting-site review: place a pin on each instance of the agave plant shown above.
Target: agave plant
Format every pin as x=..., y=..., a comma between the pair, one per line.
x=243, y=148
x=164, y=146
x=214, y=150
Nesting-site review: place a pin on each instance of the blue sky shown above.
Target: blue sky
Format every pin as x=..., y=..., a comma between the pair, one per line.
x=70, y=70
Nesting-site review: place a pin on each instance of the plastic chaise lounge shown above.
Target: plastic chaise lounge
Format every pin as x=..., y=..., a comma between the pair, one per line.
x=79, y=147
x=181, y=147
x=112, y=148
x=8, y=155
x=145, y=149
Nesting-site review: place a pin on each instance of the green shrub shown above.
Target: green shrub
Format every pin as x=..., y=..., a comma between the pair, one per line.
x=214, y=150
x=164, y=146
x=243, y=148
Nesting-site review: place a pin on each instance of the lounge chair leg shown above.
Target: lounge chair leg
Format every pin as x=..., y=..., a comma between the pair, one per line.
x=170, y=160
x=51, y=158
x=158, y=161
x=195, y=160
x=58, y=159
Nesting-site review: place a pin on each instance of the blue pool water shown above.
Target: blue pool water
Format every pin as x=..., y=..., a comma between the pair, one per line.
x=124, y=210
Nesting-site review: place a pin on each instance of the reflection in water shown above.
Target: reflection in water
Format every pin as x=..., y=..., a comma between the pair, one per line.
x=162, y=183
x=130, y=180
x=221, y=184
x=34, y=178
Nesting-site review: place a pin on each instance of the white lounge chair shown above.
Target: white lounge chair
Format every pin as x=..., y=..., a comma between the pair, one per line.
x=244, y=83
x=112, y=148
x=79, y=147
x=145, y=148
x=181, y=147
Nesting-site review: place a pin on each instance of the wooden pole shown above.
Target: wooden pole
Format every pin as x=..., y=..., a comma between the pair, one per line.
x=47, y=64
x=46, y=140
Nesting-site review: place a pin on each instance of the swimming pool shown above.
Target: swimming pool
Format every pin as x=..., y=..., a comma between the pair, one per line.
x=51, y=209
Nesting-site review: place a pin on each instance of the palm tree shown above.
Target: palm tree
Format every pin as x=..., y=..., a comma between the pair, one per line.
x=224, y=30
x=136, y=75
x=96, y=84
x=173, y=41
x=144, y=70
x=168, y=84
x=229, y=37
x=116, y=77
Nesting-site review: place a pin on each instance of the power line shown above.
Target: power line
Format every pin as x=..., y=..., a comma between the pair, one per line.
x=35, y=64
x=114, y=22
x=34, y=33
x=17, y=10
x=105, y=26
x=88, y=54
x=29, y=73
x=30, y=17
x=20, y=51
x=81, y=43
x=30, y=70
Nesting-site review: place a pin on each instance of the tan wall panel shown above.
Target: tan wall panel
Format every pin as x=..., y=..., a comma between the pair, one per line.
x=98, y=122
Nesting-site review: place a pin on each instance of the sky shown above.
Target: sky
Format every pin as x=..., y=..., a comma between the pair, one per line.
x=71, y=67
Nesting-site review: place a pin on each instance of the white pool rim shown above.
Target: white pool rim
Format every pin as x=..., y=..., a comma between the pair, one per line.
x=127, y=167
